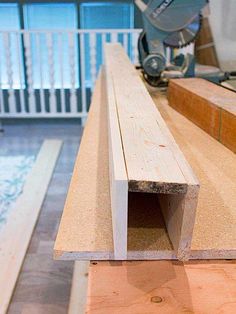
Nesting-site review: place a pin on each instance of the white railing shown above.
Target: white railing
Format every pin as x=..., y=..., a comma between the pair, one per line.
x=51, y=73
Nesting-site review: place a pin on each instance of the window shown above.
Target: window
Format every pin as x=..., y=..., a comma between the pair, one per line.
x=104, y=15
x=10, y=47
x=60, y=16
x=51, y=53
x=107, y=15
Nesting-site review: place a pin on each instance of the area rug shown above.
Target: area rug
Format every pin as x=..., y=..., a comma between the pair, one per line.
x=13, y=173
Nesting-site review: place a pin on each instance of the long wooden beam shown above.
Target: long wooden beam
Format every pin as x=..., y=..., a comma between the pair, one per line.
x=153, y=161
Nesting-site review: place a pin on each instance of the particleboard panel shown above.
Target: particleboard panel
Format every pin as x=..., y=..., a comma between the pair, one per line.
x=214, y=233
x=118, y=177
x=154, y=163
x=162, y=287
x=209, y=106
x=85, y=231
x=16, y=234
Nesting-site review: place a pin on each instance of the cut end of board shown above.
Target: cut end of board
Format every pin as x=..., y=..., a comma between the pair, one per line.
x=157, y=187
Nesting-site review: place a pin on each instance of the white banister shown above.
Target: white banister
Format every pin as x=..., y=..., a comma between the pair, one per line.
x=29, y=73
x=52, y=91
x=61, y=65
x=54, y=60
x=93, y=63
x=8, y=59
x=20, y=63
x=73, y=98
x=41, y=78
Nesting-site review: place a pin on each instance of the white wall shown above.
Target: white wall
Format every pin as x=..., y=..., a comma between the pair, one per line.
x=223, y=24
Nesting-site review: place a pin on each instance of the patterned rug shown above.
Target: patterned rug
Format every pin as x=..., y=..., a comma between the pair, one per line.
x=13, y=173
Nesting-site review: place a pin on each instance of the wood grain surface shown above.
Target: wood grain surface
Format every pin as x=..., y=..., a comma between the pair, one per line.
x=149, y=157
x=162, y=287
x=16, y=233
x=154, y=162
x=209, y=106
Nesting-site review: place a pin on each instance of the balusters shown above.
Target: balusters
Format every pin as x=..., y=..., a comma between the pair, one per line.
x=20, y=64
x=61, y=64
x=92, y=49
x=8, y=58
x=41, y=78
x=29, y=72
x=52, y=91
x=82, y=75
x=73, y=98
x=135, y=48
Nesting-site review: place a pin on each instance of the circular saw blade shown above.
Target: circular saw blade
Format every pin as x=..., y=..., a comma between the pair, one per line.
x=185, y=36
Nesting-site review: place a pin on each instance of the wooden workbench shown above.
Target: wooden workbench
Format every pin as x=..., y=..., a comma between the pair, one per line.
x=153, y=287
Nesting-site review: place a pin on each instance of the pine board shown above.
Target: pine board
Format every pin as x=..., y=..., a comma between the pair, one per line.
x=16, y=234
x=153, y=161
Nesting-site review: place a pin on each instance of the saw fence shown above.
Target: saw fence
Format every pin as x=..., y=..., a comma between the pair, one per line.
x=133, y=195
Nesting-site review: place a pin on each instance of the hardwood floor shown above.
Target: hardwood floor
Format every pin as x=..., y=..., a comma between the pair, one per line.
x=44, y=284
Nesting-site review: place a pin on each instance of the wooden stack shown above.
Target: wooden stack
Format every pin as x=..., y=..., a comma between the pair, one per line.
x=148, y=172
x=132, y=185
x=210, y=106
x=144, y=157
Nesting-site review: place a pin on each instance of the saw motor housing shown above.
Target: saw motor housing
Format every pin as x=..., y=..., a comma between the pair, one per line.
x=167, y=23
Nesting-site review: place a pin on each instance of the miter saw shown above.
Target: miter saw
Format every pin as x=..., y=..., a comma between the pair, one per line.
x=174, y=24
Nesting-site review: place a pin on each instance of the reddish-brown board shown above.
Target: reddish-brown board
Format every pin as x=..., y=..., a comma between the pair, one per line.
x=185, y=97
x=209, y=106
x=162, y=287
